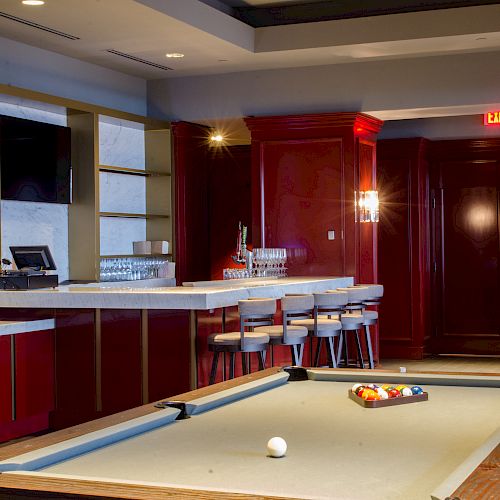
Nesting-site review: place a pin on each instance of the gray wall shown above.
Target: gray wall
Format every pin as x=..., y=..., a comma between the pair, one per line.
x=32, y=68
x=390, y=89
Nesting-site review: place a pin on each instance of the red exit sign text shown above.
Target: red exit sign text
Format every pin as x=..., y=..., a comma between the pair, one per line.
x=492, y=118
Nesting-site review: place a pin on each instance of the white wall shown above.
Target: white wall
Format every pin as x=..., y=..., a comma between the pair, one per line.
x=32, y=68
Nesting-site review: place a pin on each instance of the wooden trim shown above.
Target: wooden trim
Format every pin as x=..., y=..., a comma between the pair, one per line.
x=75, y=488
x=313, y=121
x=125, y=215
x=132, y=171
x=75, y=105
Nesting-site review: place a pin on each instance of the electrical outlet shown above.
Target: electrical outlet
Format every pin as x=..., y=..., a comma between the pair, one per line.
x=331, y=235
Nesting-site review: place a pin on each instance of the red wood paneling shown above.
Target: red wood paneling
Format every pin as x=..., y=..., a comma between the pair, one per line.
x=467, y=253
x=191, y=222
x=303, y=200
x=5, y=380
x=230, y=201
x=313, y=131
x=168, y=353
x=120, y=359
x=404, y=247
x=34, y=373
x=75, y=367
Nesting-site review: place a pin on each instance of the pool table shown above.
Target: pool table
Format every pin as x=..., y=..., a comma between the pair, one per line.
x=444, y=447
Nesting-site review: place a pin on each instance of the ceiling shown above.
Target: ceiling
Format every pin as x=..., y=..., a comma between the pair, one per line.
x=140, y=32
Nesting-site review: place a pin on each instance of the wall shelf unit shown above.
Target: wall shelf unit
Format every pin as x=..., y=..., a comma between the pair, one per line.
x=88, y=209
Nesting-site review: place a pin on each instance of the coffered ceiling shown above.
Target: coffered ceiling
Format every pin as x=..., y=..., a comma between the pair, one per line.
x=134, y=36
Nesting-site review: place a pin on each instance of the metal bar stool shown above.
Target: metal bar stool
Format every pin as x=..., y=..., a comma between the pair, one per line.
x=324, y=328
x=296, y=307
x=352, y=322
x=253, y=313
x=374, y=293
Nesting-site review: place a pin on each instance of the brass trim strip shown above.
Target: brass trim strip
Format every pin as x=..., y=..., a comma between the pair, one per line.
x=13, y=376
x=98, y=360
x=193, y=355
x=144, y=356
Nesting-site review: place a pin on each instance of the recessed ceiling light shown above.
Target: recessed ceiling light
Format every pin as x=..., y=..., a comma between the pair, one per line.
x=33, y=2
x=174, y=55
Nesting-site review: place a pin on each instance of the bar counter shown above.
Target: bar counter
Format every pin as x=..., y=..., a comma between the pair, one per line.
x=209, y=295
x=150, y=337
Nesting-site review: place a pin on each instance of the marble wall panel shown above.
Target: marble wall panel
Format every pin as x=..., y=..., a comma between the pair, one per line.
x=121, y=144
x=25, y=223
x=122, y=193
x=117, y=234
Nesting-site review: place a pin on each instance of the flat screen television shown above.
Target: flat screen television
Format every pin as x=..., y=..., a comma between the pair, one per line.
x=35, y=161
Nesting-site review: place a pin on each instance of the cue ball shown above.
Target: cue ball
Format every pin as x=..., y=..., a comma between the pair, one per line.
x=276, y=447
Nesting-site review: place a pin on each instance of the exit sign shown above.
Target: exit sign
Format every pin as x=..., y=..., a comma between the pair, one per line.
x=492, y=118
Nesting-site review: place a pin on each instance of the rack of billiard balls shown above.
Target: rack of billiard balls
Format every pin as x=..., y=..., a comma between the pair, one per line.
x=375, y=396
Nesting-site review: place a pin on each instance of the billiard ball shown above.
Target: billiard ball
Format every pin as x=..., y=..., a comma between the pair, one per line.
x=355, y=387
x=400, y=387
x=276, y=447
x=370, y=395
x=406, y=392
x=383, y=394
x=359, y=390
x=417, y=390
x=387, y=387
x=372, y=386
x=394, y=393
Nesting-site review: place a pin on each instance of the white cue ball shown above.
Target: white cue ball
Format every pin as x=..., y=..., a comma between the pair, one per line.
x=276, y=447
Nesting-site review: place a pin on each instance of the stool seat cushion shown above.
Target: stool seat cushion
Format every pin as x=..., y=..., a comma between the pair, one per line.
x=233, y=338
x=352, y=320
x=292, y=331
x=325, y=326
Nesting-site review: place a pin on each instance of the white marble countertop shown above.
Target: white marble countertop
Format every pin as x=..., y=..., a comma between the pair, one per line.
x=36, y=325
x=119, y=296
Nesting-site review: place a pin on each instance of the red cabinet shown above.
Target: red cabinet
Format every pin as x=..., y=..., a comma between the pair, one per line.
x=27, y=366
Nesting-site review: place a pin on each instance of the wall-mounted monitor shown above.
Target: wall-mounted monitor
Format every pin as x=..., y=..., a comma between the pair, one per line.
x=35, y=161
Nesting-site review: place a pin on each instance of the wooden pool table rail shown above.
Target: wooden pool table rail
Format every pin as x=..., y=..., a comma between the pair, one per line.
x=22, y=486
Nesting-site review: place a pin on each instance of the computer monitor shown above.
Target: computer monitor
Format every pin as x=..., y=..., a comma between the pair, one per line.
x=38, y=258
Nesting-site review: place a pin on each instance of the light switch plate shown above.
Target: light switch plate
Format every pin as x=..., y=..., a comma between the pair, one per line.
x=331, y=235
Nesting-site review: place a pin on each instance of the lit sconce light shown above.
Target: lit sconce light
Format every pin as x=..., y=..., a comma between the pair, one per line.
x=367, y=206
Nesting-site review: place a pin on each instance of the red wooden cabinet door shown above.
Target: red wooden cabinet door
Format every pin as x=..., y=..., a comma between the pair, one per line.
x=34, y=373
x=302, y=201
x=467, y=258
x=5, y=380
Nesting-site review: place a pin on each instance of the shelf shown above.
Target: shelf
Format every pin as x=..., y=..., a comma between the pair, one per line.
x=123, y=215
x=132, y=171
x=132, y=255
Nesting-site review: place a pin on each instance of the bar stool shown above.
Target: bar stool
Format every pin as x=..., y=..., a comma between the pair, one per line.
x=253, y=313
x=352, y=322
x=296, y=307
x=325, y=304
x=374, y=294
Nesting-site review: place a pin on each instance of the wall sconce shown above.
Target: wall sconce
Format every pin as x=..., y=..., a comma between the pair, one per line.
x=367, y=206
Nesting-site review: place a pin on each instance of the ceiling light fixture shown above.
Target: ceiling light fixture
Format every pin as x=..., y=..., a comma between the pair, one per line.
x=216, y=138
x=33, y=2
x=174, y=55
